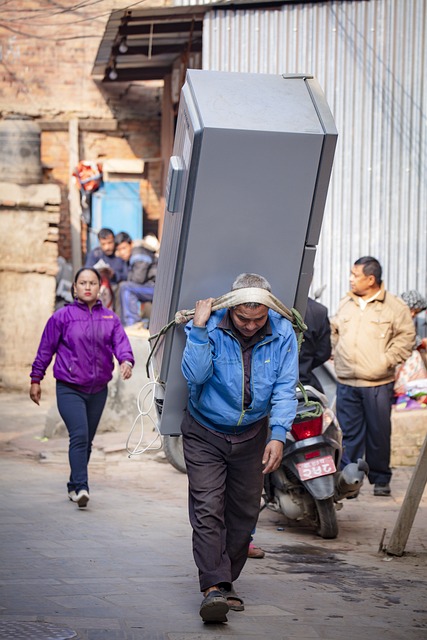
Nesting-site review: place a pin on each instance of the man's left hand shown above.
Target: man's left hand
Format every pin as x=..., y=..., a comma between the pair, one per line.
x=273, y=455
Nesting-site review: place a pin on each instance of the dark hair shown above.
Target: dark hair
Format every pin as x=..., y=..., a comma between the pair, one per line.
x=105, y=233
x=123, y=237
x=371, y=267
x=87, y=269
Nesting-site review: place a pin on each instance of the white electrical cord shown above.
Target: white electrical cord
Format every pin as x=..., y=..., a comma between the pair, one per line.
x=144, y=414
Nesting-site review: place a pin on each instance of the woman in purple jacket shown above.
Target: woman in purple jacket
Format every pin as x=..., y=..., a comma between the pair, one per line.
x=84, y=336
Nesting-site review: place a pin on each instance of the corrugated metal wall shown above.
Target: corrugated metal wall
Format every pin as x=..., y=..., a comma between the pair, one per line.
x=370, y=58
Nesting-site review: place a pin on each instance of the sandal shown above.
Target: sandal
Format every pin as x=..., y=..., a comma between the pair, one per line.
x=235, y=602
x=214, y=607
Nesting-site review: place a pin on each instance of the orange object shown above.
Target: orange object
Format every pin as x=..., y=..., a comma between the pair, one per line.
x=89, y=175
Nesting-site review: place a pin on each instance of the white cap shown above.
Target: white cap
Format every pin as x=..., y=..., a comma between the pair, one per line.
x=150, y=242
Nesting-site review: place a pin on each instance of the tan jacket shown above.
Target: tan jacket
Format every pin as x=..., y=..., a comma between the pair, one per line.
x=367, y=345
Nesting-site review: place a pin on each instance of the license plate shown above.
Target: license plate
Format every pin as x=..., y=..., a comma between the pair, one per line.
x=316, y=468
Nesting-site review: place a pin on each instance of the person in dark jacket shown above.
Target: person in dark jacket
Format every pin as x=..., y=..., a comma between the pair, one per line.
x=141, y=277
x=84, y=336
x=106, y=253
x=315, y=350
x=316, y=347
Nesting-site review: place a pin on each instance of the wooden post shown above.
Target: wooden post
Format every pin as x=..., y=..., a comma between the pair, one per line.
x=74, y=196
x=409, y=507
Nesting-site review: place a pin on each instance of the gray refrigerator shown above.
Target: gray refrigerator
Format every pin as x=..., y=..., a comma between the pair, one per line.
x=246, y=191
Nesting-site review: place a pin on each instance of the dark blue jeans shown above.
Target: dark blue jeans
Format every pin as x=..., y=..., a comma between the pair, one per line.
x=131, y=295
x=364, y=415
x=81, y=413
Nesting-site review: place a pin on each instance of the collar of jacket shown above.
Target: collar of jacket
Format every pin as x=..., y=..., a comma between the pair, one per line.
x=380, y=297
x=83, y=305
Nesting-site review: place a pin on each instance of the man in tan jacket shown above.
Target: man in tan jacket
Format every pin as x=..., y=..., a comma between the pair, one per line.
x=372, y=332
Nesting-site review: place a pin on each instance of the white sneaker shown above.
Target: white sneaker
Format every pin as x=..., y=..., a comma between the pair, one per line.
x=82, y=498
x=72, y=495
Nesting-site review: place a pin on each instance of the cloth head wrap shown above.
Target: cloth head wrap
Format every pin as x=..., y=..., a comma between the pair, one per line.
x=414, y=300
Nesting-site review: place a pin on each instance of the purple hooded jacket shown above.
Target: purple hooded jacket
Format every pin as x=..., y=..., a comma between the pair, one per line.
x=84, y=343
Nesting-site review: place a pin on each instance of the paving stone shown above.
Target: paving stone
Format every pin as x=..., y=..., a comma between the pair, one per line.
x=123, y=568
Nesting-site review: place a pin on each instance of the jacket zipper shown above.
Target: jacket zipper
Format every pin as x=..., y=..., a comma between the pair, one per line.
x=243, y=377
x=260, y=344
x=93, y=343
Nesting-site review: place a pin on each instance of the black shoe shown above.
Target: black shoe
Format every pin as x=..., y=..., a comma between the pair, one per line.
x=382, y=489
x=214, y=607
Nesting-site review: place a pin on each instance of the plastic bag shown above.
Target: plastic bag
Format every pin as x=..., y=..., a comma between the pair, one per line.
x=412, y=369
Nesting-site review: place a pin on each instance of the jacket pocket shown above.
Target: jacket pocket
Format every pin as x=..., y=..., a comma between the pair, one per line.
x=380, y=330
x=373, y=367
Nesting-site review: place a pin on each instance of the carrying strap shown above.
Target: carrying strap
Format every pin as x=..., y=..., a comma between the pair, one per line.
x=233, y=299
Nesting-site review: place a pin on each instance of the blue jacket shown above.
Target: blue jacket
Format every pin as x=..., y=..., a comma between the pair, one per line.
x=213, y=367
x=84, y=344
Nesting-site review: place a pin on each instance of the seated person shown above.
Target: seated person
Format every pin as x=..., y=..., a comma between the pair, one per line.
x=142, y=269
x=105, y=252
x=417, y=304
x=124, y=246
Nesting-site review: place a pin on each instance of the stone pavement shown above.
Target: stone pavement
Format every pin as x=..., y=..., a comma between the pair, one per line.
x=123, y=570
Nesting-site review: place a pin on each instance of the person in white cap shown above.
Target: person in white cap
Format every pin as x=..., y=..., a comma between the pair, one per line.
x=142, y=257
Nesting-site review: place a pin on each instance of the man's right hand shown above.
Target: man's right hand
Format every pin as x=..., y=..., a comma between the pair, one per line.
x=107, y=272
x=203, y=310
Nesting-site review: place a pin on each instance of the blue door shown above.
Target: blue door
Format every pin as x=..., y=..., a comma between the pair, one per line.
x=117, y=206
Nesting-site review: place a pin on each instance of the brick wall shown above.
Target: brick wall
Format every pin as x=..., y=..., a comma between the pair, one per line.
x=54, y=156
x=29, y=218
x=46, y=58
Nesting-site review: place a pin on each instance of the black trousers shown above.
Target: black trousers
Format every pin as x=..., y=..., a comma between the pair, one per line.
x=364, y=414
x=225, y=486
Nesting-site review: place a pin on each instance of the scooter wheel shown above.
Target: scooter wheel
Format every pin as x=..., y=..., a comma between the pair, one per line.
x=172, y=446
x=327, y=515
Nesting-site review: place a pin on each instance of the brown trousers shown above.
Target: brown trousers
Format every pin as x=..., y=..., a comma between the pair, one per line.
x=225, y=486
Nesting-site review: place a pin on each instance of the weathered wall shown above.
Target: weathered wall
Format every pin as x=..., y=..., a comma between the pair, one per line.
x=46, y=59
x=29, y=218
x=47, y=55
x=99, y=140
